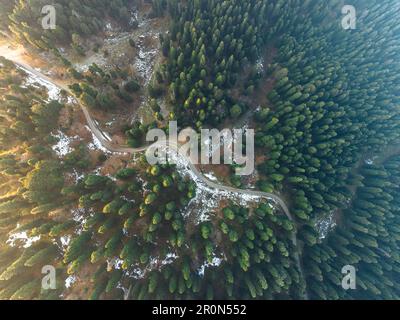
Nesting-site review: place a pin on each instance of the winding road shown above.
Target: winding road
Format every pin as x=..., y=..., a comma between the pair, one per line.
x=17, y=56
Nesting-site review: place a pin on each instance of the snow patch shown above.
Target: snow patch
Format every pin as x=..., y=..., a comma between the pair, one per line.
x=216, y=262
x=33, y=80
x=207, y=199
x=108, y=27
x=110, y=123
x=145, y=62
x=210, y=176
x=65, y=241
x=156, y=263
x=62, y=147
x=369, y=162
x=115, y=263
x=70, y=281
x=325, y=224
x=260, y=65
x=96, y=144
x=22, y=237
x=76, y=176
x=79, y=216
x=170, y=258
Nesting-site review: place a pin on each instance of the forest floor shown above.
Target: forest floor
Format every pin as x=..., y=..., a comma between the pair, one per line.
x=267, y=83
x=367, y=159
x=255, y=101
x=114, y=51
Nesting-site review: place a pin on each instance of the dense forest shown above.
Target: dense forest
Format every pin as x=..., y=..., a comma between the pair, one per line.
x=368, y=238
x=31, y=182
x=103, y=90
x=75, y=20
x=327, y=131
x=333, y=104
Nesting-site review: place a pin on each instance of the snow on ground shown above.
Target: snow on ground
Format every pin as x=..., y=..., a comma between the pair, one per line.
x=369, y=162
x=75, y=175
x=250, y=181
x=170, y=258
x=70, y=281
x=155, y=264
x=110, y=123
x=211, y=176
x=144, y=64
x=260, y=65
x=109, y=27
x=97, y=171
x=111, y=177
x=65, y=241
x=137, y=273
x=96, y=144
x=147, y=59
x=21, y=237
x=127, y=200
x=80, y=216
x=207, y=199
x=63, y=146
x=115, y=263
x=143, y=182
x=33, y=80
x=216, y=262
x=134, y=18
x=325, y=224
x=227, y=140
x=115, y=38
